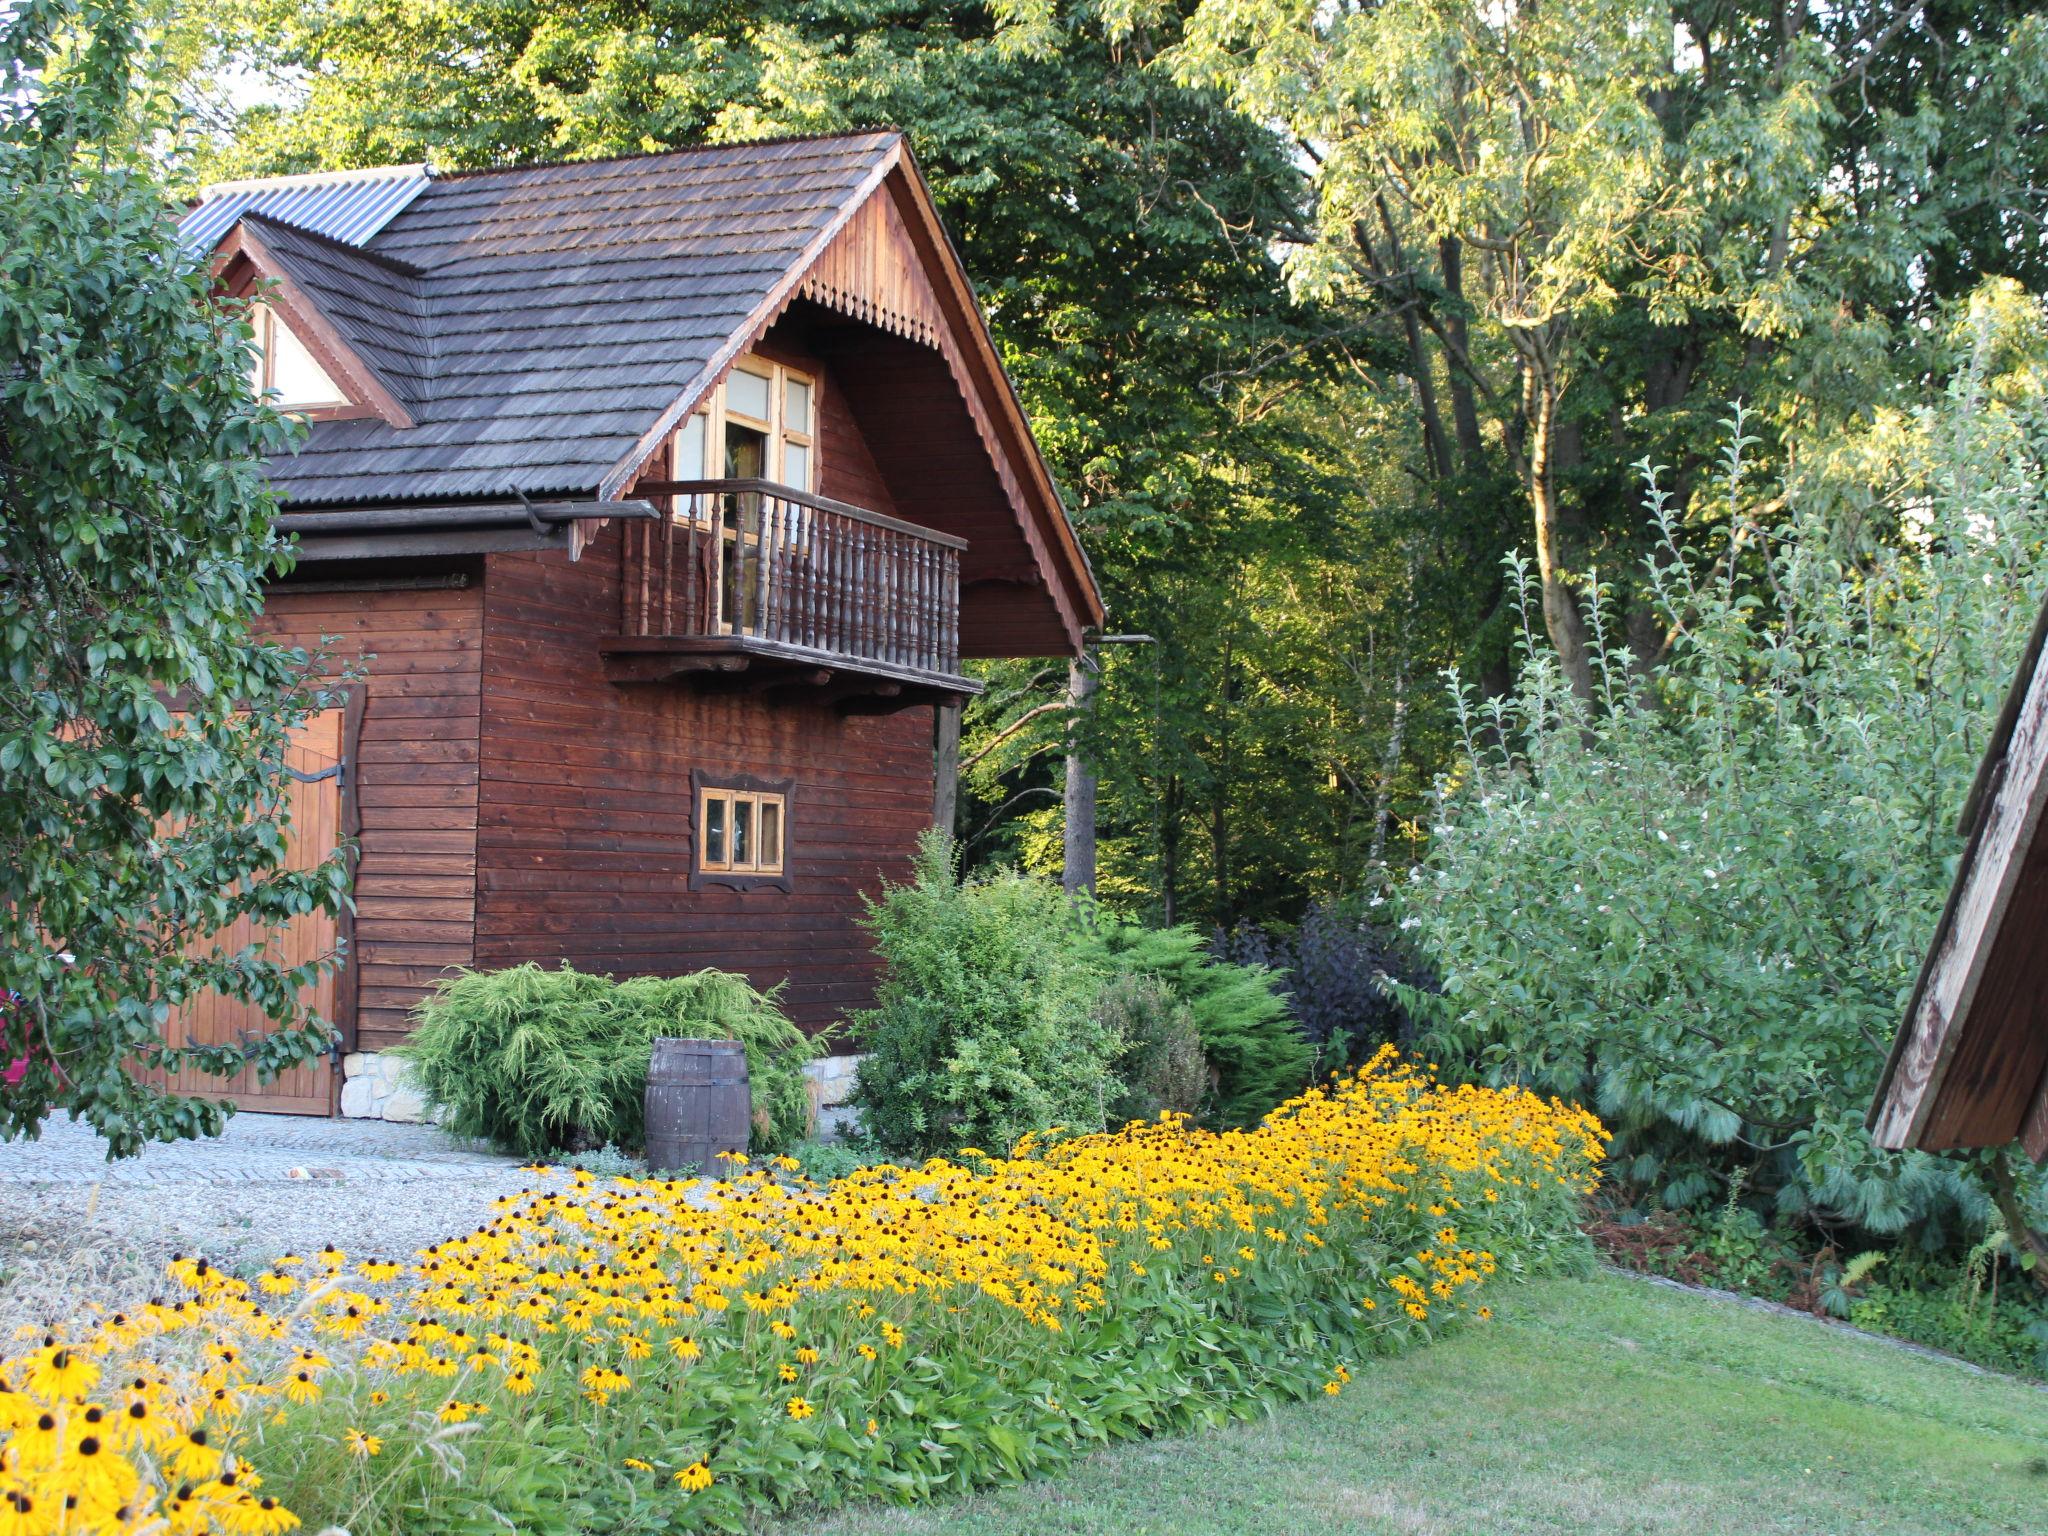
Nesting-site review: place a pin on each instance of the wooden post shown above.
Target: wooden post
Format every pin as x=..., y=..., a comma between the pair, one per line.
x=1079, y=873
x=946, y=768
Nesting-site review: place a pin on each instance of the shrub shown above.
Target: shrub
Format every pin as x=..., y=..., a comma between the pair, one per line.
x=1159, y=1051
x=537, y=1060
x=574, y=1369
x=983, y=1027
x=1335, y=968
x=1700, y=902
x=1254, y=1050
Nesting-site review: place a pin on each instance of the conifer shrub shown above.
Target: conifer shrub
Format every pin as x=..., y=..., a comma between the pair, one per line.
x=1257, y=1055
x=537, y=1060
x=984, y=1026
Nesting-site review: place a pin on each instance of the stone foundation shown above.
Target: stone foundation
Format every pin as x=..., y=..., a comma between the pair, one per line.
x=830, y=1080
x=373, y=1087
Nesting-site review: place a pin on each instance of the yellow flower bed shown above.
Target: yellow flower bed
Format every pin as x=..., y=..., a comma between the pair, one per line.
x=646, y=1354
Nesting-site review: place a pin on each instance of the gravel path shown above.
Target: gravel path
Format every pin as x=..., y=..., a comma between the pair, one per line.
x=74, y=1226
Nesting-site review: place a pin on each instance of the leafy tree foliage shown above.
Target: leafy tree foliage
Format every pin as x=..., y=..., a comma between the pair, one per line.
x=1588, y=223
x=1699, y=904
x=135, y=533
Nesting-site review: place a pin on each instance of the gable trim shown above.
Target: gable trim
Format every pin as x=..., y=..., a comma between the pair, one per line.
x=241, y=262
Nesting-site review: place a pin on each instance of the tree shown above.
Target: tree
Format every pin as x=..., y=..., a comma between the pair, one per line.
x=1590, y=223
x=142, y=729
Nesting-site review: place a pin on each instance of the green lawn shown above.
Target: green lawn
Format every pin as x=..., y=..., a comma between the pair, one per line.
x=1599, y=1406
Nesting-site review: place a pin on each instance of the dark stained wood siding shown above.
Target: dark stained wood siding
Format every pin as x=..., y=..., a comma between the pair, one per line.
x=416, y=782
x=584, y=814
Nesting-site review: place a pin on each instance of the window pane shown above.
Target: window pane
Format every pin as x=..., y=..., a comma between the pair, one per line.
x=295, y=378
x=770, y=839
x=796, y=405
x=714, y=829
x=746, y=453
x=747, y=393
x=690, y=448
x=796, y=466
x=742, y=833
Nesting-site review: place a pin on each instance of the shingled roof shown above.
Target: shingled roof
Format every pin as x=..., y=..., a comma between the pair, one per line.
x=538, y=324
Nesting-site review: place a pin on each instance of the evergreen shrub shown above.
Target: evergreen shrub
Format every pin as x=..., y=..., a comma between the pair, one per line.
x=984, y=1026
x=537, y=1061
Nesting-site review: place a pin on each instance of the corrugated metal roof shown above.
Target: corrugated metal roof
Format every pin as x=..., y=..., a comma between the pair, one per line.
x=349, y=206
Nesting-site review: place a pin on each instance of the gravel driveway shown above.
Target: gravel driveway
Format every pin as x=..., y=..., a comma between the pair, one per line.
x=74, y=1226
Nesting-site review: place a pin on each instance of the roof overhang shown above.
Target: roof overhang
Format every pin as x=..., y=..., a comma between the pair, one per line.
x=1969, y=1067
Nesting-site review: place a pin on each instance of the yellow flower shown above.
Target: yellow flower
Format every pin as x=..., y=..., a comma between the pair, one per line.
x=800, y=1409
x=695, y=1477
x=684, y=1349
x=361, y=1445
x=807, y=1356
x=637, y=1464
x=1332, y=1388
x=302, y=1388
x=58, y=1371
x=787, y=1372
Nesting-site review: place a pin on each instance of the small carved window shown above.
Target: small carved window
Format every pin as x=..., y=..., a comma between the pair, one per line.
x=742, y=834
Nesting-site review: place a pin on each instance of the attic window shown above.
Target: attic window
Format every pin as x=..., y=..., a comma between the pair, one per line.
x=285, y=370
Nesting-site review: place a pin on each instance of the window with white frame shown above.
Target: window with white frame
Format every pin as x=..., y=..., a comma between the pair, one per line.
x=285, y=369
x=760, y=424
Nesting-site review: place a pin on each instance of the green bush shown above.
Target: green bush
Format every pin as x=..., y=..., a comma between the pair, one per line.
x=537, y=1060
x=1255, y=1051
x=984, y=1025
x=1160, y=1064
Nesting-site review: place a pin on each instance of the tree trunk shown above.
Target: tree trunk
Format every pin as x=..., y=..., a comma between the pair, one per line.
x=1169, y=851
x=1464, y=409
x=1079, y=872
x=2024, y=1239
x=1541, y=392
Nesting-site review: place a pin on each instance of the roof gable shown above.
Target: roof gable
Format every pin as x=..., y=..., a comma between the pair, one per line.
x=1969, y=1066
x=273, y=260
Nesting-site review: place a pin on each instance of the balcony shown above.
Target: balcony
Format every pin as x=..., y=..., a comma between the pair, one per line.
x=750, y=586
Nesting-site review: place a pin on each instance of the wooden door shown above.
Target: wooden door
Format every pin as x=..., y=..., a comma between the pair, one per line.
x=318, y=808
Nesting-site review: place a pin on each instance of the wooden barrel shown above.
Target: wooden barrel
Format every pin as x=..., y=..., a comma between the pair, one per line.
x=699, y=1104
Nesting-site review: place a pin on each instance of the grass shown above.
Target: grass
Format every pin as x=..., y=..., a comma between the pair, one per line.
x=1598, y=1406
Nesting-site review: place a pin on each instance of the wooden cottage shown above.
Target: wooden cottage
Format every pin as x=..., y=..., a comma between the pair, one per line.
x=661, y=499
x=1970, y=1065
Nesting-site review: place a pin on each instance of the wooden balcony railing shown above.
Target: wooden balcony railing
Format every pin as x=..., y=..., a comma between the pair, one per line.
x=761, y=562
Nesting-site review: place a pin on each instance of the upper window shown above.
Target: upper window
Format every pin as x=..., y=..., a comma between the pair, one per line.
x=285, y=370
x=759, y=423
